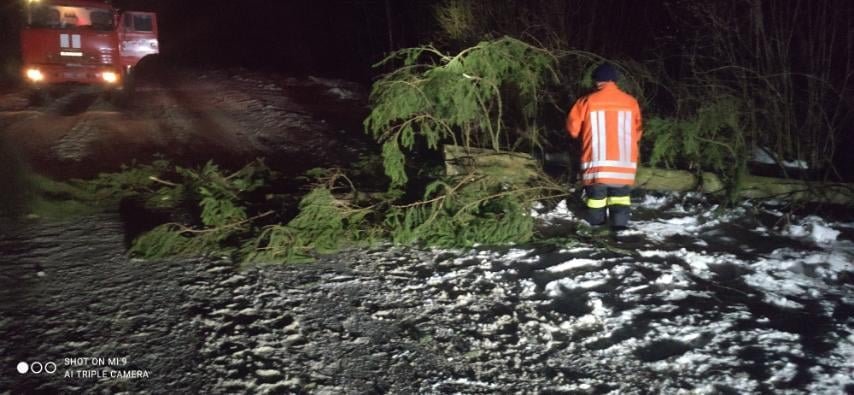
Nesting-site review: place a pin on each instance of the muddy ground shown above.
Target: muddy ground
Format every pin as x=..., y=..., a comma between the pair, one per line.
x=707, y=300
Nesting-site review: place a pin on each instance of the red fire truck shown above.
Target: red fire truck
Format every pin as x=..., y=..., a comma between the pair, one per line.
x=84, y=42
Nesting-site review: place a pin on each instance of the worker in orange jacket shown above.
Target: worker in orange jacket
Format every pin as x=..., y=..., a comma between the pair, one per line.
x=608, y=123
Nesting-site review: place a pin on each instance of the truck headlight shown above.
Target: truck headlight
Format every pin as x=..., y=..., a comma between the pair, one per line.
x=35, y=75
x=110, y=77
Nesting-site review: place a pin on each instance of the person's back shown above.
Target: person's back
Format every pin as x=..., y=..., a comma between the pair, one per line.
x=608, y=123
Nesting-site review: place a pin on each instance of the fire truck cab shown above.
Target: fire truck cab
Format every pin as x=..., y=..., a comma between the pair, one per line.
x=84, y=42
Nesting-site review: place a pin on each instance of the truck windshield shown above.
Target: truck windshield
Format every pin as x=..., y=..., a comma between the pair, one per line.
x=62, y=17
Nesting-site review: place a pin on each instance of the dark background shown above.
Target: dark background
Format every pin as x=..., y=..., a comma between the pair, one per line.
x=342, y=38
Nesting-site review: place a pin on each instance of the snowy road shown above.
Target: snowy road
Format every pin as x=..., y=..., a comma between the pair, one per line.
x=708, y=301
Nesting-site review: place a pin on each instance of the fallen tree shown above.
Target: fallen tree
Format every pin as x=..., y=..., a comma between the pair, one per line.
x=750, y=186
x=514, y=167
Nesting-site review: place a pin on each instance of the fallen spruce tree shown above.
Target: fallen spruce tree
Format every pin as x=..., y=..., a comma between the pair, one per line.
x=518, y=167
x=430, y=100
x=480, y=190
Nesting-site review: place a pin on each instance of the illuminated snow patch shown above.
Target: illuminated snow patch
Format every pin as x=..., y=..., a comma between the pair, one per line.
x=699, y=263
x=573, y=264
x=518, y=255
x=597, y=317
x=467, y=383
x=812, y=228
x=842, y=358
x=561, y=211
x=661, y=229
x=681, y=294
x=788, y=273
x=674, y=280
x=529, y=289
x=342, y=94
x=654, y=202
x=829, y=266
x=555, y=288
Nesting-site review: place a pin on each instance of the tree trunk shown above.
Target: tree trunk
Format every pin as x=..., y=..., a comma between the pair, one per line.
x=516, y=167
x=752, y=187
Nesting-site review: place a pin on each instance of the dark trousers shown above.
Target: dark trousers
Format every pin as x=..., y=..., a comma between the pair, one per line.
x=606, y=202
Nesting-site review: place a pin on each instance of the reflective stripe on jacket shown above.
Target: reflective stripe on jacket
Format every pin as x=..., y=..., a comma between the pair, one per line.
x=608, y=122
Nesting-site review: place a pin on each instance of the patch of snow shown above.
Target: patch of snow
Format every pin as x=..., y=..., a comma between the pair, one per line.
x=529, y=289
x=675, y=280
x=763, y=156
x=841, y=357
x=796, y=164
x=781, y=301
x=517, y=254
x=264, y=350
x=812, y=228
x=675, y=294
x=698, y=262
x=561, y=211
x=573, y=264
x=784, y=375
x=636, y=289
x=661, y=229
x=555, y=288
x=577, y=250
x=342, y=94
x=465, y=382
x=268, y=373
x=653, y=202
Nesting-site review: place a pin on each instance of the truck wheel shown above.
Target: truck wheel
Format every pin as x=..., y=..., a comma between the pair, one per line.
x=130, y=82
x=128, y=89
x=38, y=97
x=122, y=97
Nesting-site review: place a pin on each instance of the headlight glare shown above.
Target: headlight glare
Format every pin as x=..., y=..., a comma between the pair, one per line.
x=110, y=77
x=35, y=75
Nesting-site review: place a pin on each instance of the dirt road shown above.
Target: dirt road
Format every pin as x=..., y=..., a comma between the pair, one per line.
x=230, y=117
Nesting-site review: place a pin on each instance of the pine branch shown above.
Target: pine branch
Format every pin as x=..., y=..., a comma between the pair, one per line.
x=187, y=230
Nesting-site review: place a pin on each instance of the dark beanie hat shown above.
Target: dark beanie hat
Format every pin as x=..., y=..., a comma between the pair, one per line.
x=605, y=72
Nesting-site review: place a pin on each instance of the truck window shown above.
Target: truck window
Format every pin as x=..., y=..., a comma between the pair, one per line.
x=44, y=17
x=63, y=17
x=143, y=23
x=101, y=20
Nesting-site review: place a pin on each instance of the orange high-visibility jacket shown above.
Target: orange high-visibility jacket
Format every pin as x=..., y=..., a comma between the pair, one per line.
x=608, y=122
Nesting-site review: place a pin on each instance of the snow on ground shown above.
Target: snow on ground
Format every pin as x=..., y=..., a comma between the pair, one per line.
x=688, y=310
x=763, y=155
x=697, y=299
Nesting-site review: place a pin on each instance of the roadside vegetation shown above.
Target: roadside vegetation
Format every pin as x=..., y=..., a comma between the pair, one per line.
x=500, y=86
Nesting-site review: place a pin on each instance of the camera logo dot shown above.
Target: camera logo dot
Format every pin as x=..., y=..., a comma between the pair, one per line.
x=36, y=367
